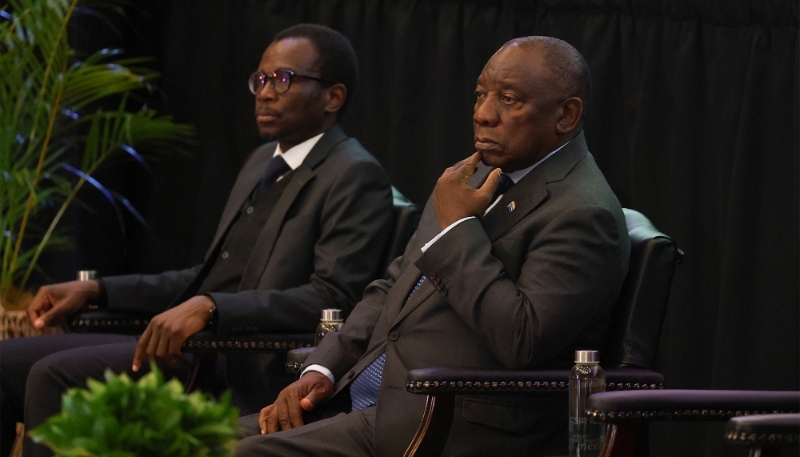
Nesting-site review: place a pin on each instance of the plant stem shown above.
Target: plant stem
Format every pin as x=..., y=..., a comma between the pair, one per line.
x=45, y=144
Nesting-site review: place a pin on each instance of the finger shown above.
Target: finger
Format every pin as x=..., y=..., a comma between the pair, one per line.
x=262, y=418
x=141, y=346
x=284, y=414
x=470, y=165
x=491, y=184
x=38, y=306
x=162, y=348
x=272, y=420
x=175, y=344
x=295, y=413
x=474, y=159
x=51, y=316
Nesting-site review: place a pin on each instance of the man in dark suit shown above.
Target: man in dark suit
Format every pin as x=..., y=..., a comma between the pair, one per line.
x=293, y=240
x=516, y=280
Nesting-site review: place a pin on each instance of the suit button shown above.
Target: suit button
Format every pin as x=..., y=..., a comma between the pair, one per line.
x=249, y=210
x=349, y=375
x=433, y=276
x=440, y=286
x=393, y=335
x=444, y=292
x=225, y=255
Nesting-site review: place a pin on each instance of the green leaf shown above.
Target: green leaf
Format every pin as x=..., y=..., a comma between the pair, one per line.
x=120, y=417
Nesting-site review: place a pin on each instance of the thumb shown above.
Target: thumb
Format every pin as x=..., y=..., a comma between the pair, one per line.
x=491, y=184
x=47, y=318
x=312, y=399
x=317, y=395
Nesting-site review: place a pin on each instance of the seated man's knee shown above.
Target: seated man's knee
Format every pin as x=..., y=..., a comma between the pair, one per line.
x=248, y=426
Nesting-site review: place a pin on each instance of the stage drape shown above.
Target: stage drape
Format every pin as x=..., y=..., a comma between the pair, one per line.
x=693, y=118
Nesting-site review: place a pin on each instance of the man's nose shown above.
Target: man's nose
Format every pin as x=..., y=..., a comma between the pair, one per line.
x=266, y=92
x=485, y=113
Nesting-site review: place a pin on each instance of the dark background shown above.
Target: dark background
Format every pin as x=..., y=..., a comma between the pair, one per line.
x=694, y=119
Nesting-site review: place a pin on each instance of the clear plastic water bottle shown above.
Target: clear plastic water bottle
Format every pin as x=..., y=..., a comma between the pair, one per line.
x=586, y=435
x=331, y=322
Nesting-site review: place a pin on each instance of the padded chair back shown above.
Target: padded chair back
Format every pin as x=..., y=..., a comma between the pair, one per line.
x=406, y=219
x=640, y=309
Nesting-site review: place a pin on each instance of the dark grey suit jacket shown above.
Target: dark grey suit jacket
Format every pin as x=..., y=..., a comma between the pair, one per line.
x=320, y=247
x=522, y=288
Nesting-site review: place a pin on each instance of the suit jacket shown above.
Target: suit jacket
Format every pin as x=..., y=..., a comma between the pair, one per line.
x=320, y=247
x=522, y=288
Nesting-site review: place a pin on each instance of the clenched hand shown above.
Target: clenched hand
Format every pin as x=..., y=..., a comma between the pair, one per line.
x=454, y=199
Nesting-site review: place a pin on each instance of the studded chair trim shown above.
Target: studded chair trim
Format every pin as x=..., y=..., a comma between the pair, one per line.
x=689, y=405
x=432, y=381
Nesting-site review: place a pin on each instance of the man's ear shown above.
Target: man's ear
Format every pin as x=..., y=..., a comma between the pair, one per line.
x=336, y=96
x=571, y=115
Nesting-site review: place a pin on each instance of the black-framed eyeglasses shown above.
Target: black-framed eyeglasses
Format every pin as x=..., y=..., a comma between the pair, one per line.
x=280, y=79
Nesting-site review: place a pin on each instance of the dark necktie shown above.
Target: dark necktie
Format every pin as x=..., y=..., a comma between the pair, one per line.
x=275, y=169
x=506, y=183
x=364, y=389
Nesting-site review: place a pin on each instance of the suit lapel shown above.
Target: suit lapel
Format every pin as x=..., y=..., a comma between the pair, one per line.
x=242, y=189
x=304, y=174
x=531, y=190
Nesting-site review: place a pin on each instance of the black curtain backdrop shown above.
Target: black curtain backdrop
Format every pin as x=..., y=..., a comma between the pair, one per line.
x=693, y=118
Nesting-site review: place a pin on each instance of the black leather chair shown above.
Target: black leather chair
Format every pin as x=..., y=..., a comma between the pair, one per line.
x=406, y=218
x=626, y=413
x=765, y=435
x=627, y=359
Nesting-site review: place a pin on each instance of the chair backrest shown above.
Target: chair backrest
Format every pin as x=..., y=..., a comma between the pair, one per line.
x=406, y=219
x=640, y=309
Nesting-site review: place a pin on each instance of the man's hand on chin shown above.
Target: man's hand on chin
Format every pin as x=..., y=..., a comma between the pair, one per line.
x=454, y=199
x=305, y=394
x=163, y=337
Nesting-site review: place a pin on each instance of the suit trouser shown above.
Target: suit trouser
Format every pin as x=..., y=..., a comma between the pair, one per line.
x=36, y=371
x=344, y=435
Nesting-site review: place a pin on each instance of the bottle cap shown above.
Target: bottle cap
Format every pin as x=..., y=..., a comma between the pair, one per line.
x=587, y=356
x=86, y=275
x=331, y=314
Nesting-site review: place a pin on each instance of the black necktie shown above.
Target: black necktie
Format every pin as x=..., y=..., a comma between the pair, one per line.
x=506, y=183
x=275, y=169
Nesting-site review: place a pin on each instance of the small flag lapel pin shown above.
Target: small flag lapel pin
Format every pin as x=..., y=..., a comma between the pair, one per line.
x=511, y=206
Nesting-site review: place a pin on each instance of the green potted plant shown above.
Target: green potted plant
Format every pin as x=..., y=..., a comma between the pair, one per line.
x=123, y=418
x=63, y=116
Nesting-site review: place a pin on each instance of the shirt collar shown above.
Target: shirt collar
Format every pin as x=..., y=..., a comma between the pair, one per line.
x=297, y=154
x=519, y=174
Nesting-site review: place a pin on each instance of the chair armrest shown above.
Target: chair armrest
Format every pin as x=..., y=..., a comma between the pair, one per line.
x=295, y=359
x=107, y=322
x=764, y=431
x=204, y=342
x=683, y=405
x=432, y=381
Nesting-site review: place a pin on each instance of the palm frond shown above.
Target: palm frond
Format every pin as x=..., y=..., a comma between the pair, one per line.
x=54, y=111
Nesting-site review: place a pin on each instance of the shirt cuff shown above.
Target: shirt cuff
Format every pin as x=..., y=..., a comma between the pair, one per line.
x=430, y=243
x=102, y=297
x=321, y=369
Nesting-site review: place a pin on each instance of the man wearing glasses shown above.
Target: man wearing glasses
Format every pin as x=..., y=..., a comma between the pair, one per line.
x=303, y=230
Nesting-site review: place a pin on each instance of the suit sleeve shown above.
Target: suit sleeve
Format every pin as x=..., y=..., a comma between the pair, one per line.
x=572, y=270
x=354, y=225
x=147, y=293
